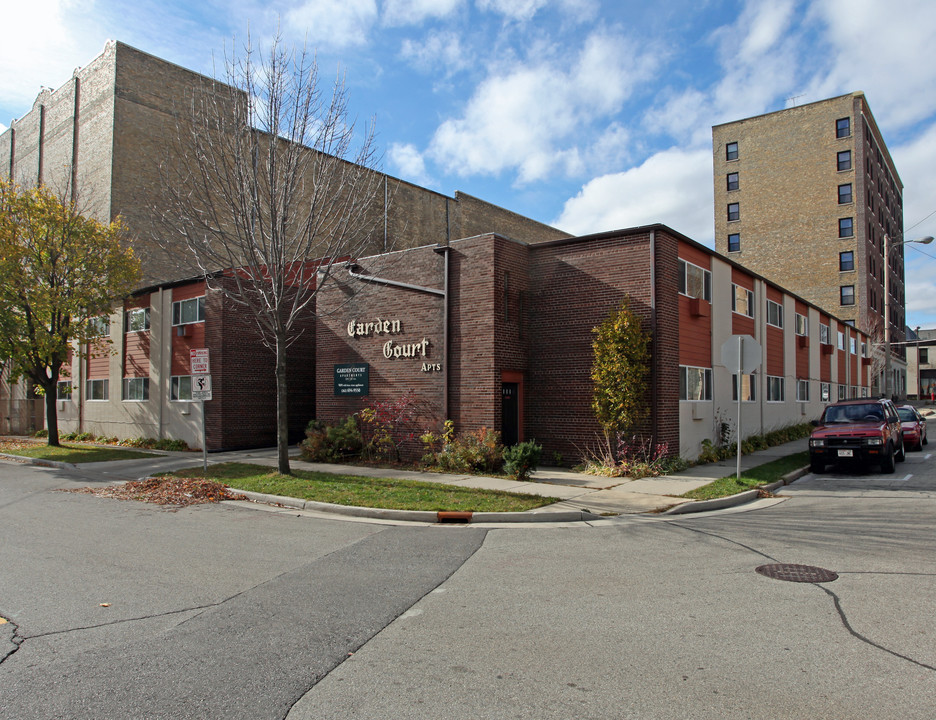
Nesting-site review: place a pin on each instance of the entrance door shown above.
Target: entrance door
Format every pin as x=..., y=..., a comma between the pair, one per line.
x=510, y=413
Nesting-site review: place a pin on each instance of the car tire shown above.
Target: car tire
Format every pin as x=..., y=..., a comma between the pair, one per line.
x=901, y=454
x=817, y=467
x=887, y=462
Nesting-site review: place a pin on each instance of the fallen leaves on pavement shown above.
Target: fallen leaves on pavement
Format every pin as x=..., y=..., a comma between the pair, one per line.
x=172, y=491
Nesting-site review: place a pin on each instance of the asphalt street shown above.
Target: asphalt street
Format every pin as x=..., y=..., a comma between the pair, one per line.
x=227, y=612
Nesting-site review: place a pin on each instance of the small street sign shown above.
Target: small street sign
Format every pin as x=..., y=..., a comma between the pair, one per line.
x=748, y=357
x=199, y=361
x=201, y=387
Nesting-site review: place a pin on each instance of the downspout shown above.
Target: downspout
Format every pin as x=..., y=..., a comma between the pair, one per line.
x=162, y=377
x=76, y=116
x=654, y=374
x=445, y=332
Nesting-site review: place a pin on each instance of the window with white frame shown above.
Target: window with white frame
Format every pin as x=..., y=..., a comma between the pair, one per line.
x=854, y=391
x=137, y=320
x=742, y=301
x=802, y=324
x=185, y=312
x=96, y=389
x=695, y=383
x=748, y=388
x=864, y=392
x=774, y=314
x=842, y=392
x=181, y=387
x=774, y=389
x=825, y=392
x=824, y=334
x=841, y=340
x=695, y=281
x=802, y=390
x=63, y=390
x=99, y=326
x=136, y=389
x=853, y=346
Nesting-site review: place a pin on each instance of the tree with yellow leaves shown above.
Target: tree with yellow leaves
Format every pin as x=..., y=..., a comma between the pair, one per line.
x=59, y=272
x=620, y=371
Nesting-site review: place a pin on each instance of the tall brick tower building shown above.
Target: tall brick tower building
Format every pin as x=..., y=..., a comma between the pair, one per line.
x=805, y=196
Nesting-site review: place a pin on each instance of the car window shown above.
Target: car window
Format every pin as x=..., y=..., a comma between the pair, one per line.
x=907, y=414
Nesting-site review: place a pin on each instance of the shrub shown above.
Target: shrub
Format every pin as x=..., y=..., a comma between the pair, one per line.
x=632, y=456
x=387, y=424
x=330, y=443
x=478, y=451
x=521, y=460
x=43, y=433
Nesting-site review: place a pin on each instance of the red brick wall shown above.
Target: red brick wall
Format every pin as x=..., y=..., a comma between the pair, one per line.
x=181, y=345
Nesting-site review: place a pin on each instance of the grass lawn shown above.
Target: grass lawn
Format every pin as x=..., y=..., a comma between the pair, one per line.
x=68, y=452
x=365, y=491
x=750, y=479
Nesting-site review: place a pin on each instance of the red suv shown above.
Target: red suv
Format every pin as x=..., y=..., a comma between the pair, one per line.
x=866, y=430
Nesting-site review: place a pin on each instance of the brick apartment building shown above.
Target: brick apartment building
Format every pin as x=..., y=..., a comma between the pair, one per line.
x=484, y=315
x=805, y=196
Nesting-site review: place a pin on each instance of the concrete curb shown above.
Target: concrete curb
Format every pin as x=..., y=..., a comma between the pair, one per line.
x=41, y=463
x=694, y=506
x=421, y=516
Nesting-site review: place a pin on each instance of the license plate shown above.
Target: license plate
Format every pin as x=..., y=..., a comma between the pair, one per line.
x=846, y=453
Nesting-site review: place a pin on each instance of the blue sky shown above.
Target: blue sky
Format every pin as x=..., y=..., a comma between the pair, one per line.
x=587, y=114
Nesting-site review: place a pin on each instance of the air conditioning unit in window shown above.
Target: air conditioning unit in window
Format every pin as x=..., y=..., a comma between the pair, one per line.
x=699, y=308
x=803, y=340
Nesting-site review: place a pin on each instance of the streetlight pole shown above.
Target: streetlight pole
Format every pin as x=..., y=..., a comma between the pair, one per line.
x=888, y=389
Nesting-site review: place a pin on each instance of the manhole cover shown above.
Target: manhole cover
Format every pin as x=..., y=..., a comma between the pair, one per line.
x=797, y=573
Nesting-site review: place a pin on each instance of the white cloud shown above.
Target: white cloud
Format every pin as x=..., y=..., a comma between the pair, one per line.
x=45, y=56
x=513, y=9
x=3, y=128
x=413, y=12
x=883, y=49
x=409, y=162
x=537, y=118
x=333, y=24
x=673, y=187
x=437, y=49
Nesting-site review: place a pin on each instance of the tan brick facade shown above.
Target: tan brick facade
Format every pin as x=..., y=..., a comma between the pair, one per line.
x=796, y=177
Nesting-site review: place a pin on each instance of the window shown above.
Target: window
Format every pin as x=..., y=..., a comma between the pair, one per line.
x=844, y=160
x=181, y=388
x=100, y=326
x=846, y=227
x=748, y=388
x=96, y=390
x=841, y=341
x=825, y=392
x=864, y=392
x=845, y=194
x=742, y=301
x=842, y=391
x=734, y=242
x=695, y=281
x=847, y=294
x=63, y=390
x=774, y=389
x=695, y=383
x=846, y=261
x=732, y=180
x=734, y=212
x=802, y=324
x=137, y=320
x=774, y=314
x=731, y=151
x=185, y=312
x=853, y=346
x=843, y=127
x=136, y=389
x=824, y=337
x=924, y=356
x=802, y=391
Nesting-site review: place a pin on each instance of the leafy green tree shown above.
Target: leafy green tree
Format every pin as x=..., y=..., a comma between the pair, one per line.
x=59, y=272
x=621, y=370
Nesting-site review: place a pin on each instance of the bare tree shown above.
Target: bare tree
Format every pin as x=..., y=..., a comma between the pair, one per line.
x=271, y=188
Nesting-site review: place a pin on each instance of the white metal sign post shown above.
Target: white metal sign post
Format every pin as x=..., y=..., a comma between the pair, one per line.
x=741, y=354
x=201, y=391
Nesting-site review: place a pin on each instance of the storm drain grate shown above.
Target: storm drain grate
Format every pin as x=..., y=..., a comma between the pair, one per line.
x=797, y=573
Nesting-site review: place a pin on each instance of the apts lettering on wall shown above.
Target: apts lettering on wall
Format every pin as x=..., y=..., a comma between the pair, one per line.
x=393, y=349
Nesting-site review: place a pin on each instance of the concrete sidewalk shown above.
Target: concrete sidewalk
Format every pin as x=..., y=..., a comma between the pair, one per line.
x=575, y=492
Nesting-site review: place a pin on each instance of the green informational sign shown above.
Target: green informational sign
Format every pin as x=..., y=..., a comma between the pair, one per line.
x=352, y=379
